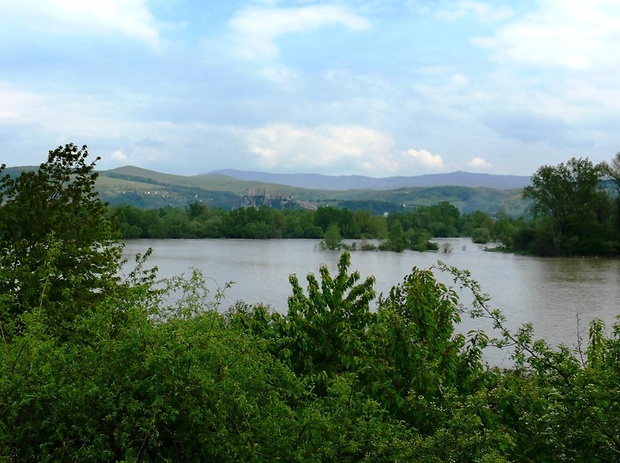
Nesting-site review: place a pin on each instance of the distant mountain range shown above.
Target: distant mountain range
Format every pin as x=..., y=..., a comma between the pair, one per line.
x=235, y=188
x=358, y=182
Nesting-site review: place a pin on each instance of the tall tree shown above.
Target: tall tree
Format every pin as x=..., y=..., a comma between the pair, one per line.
x=56, y=242
x=574, y=211
x=612, y=170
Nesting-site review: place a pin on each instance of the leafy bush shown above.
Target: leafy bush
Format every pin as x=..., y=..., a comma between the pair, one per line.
x=95, y=368
x=481, y=236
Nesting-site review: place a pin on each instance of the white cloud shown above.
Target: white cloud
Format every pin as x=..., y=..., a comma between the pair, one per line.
x=482, y=11
x=279, y=74
x=425, y=158
x=119, y=156
x=256, y=29
x=287, y=147
x=131, y=18
x=15, y=105
x=459, y=80
x=478, y=163
x=565, y=34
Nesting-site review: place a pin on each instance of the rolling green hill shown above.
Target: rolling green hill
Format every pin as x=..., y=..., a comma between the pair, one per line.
x=149, y=189
x=144, y=188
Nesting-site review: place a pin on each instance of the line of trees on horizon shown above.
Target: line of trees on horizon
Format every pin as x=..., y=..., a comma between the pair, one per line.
x=572, y=212
x=400, y=230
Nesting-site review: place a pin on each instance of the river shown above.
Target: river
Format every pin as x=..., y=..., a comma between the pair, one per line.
x=559, y=296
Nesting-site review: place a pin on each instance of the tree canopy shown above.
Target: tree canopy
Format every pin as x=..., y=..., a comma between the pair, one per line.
x=576, y=214
x=56, y=239
x=612, y=170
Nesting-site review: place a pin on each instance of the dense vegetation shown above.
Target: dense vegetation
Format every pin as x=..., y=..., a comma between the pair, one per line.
x=399, y=230
x=574, y=211
x=98, y=367
x=574, y=214
x=569, y=209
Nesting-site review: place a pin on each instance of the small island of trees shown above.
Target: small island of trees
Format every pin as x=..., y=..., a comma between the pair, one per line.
x=96, y=365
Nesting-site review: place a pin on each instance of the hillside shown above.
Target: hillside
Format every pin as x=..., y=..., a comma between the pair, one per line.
x=149, y=189
x=144, y=188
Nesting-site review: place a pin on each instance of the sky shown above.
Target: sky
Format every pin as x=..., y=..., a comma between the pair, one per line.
x=350, y=87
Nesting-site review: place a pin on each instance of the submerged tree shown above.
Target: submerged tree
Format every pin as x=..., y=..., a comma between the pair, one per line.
x=575, y=213
x=332, y=239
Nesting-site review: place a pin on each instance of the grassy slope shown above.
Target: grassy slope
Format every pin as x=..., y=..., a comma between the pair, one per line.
x=150, y=189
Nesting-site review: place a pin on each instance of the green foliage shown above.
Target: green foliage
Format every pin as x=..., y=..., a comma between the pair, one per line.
x=332, y=239
x=575, y=214
x=420, y=358
x=403, y=362
x=612, y=170
x=56, y=241
x=332, y=380
x=323, y=331
x=557, y=404
x=186, y=388
x=440, y=219
x=416, y=239
x=397, y=232
x=396, y=239
x=481, y=236
x=93, y=368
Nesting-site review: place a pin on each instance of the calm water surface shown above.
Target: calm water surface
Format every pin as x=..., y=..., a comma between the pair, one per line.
x=551, y=293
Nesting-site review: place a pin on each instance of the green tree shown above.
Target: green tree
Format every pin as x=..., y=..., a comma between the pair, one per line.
x=323, y=330
x=396, y=239
x=56, y=241
x=419, y=349
x=332, y=239
x=196, y=209
x=326, y=215
x=440, y=219
x=574, y=211
x=477, y=219
x=504, y=229
x=612, y=170
x=175, y=222
x=481, y=236
x=131, y=222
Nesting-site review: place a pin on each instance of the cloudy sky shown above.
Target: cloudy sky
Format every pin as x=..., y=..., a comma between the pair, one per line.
x=368, y=87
